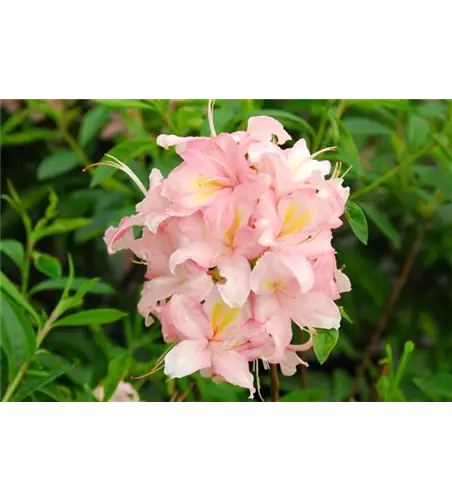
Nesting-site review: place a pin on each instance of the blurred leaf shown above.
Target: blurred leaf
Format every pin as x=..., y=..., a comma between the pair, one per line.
x=117, y=371
x=345, y=315
x=14, y=250
x=342, y=385
x=61, y=226
x=31, y=135
x=383, y=223
x=222, y=119
x=378, y=103
x=418, y=132
x=77, y=283
x=57, y=164
x=303, y=395
x=436, y=178
x=124, y=103
x=126, y=151
x=18, y=337
x=14, y=121
x=324, y=342
x=383, y=387
x=92, y=122
x=357, y=220
x=439, y=384
x=366, y=126
x=13, y=293
x=92, y=317
x=432, y=110
x=36, y=383
x=48, y=265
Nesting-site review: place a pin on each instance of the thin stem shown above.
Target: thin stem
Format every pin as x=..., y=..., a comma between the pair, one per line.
x=319, y=136
x=26, y=268
x=274, y=379
x=72, y=143
x=391, y=173
x=387, y=310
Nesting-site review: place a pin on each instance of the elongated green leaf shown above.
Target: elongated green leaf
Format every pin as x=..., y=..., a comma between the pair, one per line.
x=14, y=250
x=61, y=226
x=117, y=371
x=284, y=116
x=18, y=338
x=378, y=103
x=418, y=132
x=439, y=384
x=32, y=135
x=57, y=164
x=48, y=265
x=92, y=122
x=324, y=342
x=357, y=220
x=124, y=103
x=77, y=283
x=366, y=126
x=36, y=383
x=126, y=151
x=383, y=223
x=92, y=317
x=13, y=293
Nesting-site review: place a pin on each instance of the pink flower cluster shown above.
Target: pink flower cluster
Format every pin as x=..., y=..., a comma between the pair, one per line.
x=237, y=243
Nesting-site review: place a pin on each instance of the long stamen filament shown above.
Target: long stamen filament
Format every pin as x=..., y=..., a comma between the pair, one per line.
x=120, y=166
x=210, y=117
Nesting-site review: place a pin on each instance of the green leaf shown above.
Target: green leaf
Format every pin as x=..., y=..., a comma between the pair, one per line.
x=92, y=317
x=436, y=178
x=14, y=250
x=92, y=122
x=439, y=384
x=13, y=293
x=342, y=385
x=18, y=338
x=77, y=283
x=418, y=132
x=117, y=371
x=48, y=265
x=124, y=103
x=345, y=315
x=31, y=135
x=366, y=126
x=357, y=220
x=303, y=395
x=126, y=151
x=383, y=386
x=58, y=163
x=36, y=383
x=383, y=223
x=324, y=342
x=61, y=226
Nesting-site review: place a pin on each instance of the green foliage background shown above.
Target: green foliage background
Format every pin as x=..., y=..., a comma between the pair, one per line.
x=398, y=345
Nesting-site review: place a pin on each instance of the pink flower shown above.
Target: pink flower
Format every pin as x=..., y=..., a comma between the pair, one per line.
x=237, y=245
x=215, y=339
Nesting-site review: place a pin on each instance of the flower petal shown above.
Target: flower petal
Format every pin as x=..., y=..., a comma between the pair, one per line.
x=189, y=318
x=234, y=368
x=187, y=357
x=237, y=272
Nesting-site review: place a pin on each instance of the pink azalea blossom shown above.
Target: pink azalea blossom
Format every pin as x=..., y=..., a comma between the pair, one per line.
x=237, y=246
